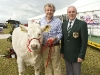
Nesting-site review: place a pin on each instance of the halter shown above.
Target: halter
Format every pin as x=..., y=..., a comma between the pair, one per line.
x=49, y=44
x=30, y=41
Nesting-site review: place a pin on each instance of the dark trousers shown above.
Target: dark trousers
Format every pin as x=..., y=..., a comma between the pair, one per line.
x=73, y=68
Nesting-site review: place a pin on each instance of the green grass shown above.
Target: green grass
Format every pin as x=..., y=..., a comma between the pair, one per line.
x=4, y=45
x=91, y=65
x=8, y=66
x=5, y=31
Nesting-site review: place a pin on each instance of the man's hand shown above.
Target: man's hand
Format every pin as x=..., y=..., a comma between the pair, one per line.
x=79, y=60
x=53, y=39
x=62, y=55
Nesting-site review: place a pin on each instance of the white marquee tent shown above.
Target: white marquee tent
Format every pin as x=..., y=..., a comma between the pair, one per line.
x=81, y=5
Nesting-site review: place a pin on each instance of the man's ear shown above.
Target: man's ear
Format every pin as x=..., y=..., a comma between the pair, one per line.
x=46, y=28
x=23, y=28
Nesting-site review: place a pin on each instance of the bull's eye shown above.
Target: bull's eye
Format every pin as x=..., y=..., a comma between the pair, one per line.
x=28, y=35
x=39, y=35
x=37, y=22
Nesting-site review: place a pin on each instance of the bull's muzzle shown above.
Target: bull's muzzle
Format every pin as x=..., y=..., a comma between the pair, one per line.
x=34, y=46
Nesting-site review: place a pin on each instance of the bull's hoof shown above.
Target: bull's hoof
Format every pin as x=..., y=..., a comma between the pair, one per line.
x=21, y=73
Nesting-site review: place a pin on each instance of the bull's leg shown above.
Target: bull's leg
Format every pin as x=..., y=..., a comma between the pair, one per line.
x=21, y=66
x=37, y=64
x=37, y=69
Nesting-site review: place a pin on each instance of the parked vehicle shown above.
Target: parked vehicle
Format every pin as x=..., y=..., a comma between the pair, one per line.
x=1, y=29
x=3, y=25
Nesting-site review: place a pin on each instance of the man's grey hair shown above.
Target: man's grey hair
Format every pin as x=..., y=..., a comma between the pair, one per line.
x=72, y=7
x=50, y=5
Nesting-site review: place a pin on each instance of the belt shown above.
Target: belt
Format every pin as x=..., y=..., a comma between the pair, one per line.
x=56, y=44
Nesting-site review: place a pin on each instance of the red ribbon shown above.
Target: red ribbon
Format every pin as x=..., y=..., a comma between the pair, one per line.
x=49, y=44
x=30, y=41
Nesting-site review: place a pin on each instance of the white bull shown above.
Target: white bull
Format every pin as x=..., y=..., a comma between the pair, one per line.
x=26, y=42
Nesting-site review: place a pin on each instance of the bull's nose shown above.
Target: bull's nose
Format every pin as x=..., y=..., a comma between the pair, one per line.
x=34, y=46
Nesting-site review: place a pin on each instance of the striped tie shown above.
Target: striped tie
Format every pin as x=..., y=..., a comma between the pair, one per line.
x=69, y=28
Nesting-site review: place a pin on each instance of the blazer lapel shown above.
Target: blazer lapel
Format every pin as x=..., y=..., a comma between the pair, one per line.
x=65, y=27
x=73, y=28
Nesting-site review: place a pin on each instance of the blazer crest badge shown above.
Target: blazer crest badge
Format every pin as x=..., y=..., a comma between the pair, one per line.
x=75, y=34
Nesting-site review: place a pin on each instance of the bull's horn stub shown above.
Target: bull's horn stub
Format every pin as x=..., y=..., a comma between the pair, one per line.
x=47, y=29
x=21, y=27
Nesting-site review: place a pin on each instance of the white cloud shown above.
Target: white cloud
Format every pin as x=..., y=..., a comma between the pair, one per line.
x=21, y=10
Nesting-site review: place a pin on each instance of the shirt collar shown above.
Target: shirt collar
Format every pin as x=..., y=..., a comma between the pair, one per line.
x=51, y=18
x=72, y=20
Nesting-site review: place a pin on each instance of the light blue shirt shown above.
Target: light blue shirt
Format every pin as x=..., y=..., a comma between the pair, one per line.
x=55, y=30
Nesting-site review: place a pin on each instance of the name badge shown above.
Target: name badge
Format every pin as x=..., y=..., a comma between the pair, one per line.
x=47, y=29
x=75, y=34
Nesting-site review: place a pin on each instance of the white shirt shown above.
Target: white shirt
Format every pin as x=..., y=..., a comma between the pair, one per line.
x=72, y=22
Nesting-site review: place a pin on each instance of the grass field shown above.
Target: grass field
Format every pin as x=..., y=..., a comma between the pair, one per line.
x=5, y=31
x=8, y=66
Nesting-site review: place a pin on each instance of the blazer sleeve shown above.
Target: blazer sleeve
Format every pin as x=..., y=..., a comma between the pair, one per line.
x=62, y=41
x=84, y=40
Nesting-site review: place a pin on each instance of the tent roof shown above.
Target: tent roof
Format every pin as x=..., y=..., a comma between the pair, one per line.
x=89, y=7
x=81, y=5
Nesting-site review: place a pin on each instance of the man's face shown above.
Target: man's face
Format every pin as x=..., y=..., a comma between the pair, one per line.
x=71, y=13
x=49, y=11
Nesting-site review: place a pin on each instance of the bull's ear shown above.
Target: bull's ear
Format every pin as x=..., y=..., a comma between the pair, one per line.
x=23, y=28
x=46, y=28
